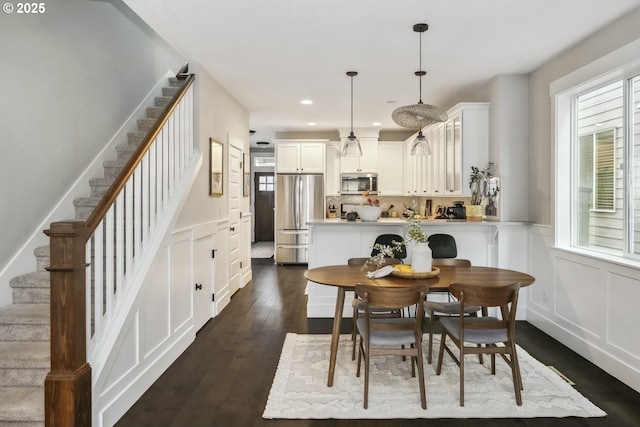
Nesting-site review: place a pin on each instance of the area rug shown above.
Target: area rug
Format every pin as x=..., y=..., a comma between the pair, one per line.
x=300, y=391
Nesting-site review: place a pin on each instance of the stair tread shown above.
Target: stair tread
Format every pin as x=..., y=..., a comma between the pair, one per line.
x=101, y=181
x=25, y=354
x=86, y=201
x=21, y=404
x=42, y=251
x=35, y=279
x=25, y=314
x=115, y=163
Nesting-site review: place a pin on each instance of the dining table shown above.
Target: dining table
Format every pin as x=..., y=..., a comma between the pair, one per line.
x=345, y=277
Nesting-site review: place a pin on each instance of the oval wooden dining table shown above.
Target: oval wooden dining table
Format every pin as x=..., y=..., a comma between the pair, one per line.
x=345, y=277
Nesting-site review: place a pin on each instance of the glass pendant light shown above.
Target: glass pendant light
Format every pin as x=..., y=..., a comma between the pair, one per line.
x=420, y=146
x=352, y=144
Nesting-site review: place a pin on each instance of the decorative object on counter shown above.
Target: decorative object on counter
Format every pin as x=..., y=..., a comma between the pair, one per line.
x=368, y=212
x=352, y=144
x=457, y=211
x=331, y=211
x=492, y=198
x=371, y=201
x=477, y=183
x=369, y=209
x=351, y=216
x=419, y=115
x=385, y=212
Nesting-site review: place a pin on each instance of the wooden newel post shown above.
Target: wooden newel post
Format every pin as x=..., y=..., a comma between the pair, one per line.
x=67, y=387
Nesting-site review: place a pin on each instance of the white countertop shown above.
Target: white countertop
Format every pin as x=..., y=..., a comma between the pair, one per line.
x=402, y=221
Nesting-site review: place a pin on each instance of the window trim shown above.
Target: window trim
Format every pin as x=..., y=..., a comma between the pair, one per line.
x=621, y=64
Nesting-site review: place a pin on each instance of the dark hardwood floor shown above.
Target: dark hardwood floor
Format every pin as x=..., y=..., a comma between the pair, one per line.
x=224, y=377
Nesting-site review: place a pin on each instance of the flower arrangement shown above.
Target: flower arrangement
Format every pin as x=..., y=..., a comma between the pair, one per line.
x=475, y=181
x=415, y=232
x=384, y=252
x=368, y=200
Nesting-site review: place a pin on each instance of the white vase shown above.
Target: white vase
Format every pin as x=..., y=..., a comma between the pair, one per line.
x=421, y=258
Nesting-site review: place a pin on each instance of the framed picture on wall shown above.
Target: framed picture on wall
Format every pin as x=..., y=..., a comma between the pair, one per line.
x=246, y=180
x=216, y=168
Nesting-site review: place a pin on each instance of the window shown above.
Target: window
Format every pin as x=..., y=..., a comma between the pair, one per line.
x=598, y=120
x=261, y=162
x=596, y=164
x=265, y=183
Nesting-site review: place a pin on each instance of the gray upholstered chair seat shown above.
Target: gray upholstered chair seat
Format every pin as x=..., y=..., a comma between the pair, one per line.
x=475, y=336
x=445, y=308
x=388, y=338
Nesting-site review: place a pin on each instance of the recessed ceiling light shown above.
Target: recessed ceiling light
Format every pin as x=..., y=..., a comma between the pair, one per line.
x=391, y=101
x=311, y=123
x=306, y=102
x=376, y=123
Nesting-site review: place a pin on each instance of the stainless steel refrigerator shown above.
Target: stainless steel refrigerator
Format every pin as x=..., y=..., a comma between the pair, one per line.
x=299, y=199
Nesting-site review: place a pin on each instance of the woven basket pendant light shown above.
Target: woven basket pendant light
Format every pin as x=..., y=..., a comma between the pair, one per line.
x=419, y=115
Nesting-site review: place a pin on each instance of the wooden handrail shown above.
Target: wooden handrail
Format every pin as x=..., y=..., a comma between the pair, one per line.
x=68, y=389
x=110, y=196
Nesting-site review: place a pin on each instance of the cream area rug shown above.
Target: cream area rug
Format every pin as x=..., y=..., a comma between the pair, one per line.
x=300, y=389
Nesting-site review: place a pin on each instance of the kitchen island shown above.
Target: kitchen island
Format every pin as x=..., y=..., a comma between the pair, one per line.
x=484, y=243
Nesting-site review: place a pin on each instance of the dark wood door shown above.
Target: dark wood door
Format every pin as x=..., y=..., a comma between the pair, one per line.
x=264, y=186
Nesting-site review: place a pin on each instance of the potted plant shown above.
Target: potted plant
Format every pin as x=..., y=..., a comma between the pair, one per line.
x=477, y=180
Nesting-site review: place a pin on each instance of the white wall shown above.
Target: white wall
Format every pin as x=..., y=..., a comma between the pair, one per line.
x=218, y=116
x=608, y=39
x=508, y=143
x=70, y=79
x=584, y=302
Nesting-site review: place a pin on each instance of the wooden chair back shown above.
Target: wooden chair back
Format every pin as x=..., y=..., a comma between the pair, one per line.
x=454, y=262
x=505, y=297
x=392, y=298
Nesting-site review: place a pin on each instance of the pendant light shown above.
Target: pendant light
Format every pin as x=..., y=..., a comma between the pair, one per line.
x=352, y=144
x=419, y=115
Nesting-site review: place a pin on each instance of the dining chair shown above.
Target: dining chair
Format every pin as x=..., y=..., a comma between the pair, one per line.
x=401, y=336
x=442, y=246
x=389, y=239
x=437, y=309
x=497, y=335
x=358, y=307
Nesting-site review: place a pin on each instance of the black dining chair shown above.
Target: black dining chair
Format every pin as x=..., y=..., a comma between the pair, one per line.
x=442, y=246
x=390, y=240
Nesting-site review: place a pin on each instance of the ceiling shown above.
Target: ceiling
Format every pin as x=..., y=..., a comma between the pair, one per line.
x=270, y=55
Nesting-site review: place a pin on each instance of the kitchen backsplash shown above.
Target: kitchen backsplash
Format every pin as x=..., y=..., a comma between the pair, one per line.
x=397, y=203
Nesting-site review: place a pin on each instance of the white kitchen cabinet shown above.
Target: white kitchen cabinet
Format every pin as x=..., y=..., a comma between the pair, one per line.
x=456, y=145
x=332, y=175
x=422, y=177
x=367, y=163
x=390, y=168
x=300, y=157
x=467, y=144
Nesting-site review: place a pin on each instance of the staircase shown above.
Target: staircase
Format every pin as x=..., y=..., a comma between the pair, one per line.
x=24, y=325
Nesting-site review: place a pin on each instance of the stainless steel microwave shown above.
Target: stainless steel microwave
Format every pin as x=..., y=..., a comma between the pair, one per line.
x=357, y=183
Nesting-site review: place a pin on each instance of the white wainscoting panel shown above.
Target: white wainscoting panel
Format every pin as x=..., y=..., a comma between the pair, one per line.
x=588, y=304
x=622, y=297
x=580, y=295
x=154, y=307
